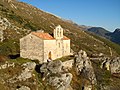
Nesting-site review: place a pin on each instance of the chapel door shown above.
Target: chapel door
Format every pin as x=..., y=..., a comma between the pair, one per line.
x=50, y=55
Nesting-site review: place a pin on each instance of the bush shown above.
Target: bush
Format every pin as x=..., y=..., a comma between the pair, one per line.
x=10, y=47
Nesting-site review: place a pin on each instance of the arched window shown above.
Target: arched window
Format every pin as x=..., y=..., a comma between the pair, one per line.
x=58, y=33
x=59, y=45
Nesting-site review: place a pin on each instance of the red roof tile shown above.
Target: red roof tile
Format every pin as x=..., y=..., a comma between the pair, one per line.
x=46, y=36
x=43, y=35
x=65, y=38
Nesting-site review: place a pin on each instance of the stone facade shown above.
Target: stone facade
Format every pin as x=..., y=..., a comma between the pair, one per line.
x=42, y=46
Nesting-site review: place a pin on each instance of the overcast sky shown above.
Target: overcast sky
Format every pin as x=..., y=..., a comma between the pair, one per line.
x=100, y=13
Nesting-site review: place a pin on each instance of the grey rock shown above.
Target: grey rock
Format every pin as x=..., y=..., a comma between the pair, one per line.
x=55, y=67
x=7, y=65
x=52, y=67
x=26, y=73
x=115, y=65
x=83, y=65
x=88, y=87
x=67, y=65
x=43, y=68
x=55, y=76
x=23, y=88
x=62, y=82
x=29, y=65
x=105, y=62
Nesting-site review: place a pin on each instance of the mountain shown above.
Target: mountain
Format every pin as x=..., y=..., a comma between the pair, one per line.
x=24, y=18
x=99, y=31
x=92, y=54
x=113, y=36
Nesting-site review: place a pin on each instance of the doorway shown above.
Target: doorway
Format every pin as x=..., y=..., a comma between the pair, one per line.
x=50, y=55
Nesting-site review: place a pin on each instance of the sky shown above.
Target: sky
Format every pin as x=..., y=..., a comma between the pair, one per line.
x=98, y=13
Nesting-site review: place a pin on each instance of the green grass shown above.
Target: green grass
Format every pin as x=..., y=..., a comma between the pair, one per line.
x=10, y=47
x=47, y=22
x=19, y=60
x=65, y=58
x=104, y=76
x=114, y=46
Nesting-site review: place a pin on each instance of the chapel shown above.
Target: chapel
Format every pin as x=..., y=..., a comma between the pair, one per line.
x=43, y=46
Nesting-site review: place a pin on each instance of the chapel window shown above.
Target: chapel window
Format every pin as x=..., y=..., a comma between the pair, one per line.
x=58, y=33
x=59, y=45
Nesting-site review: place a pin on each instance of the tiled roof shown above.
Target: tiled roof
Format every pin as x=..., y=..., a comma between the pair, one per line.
x=43, y=35
x=65, y=38
x=46, y=36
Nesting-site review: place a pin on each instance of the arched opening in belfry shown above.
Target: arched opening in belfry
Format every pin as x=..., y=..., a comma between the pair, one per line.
x=59, y=45
x=58, y=33
x=50, y=55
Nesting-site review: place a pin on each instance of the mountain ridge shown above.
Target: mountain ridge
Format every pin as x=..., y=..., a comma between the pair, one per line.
x=113, y=36
x=33, y=19
x=89, y=68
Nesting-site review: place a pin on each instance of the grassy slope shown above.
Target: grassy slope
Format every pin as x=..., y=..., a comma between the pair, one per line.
x=104, y=77
x=114, y=46
x=79, y=39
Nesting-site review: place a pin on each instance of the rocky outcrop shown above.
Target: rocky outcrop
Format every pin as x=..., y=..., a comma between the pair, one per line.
x=55, y=76
x=25, y=74
x=105, y=63
x=7, y=65
x=23, y=88
x=27, y=71
x=67, y=65
x=6, y=25
x=15, y=75
x=113, y=65
x=61, y=82
x=83, y=66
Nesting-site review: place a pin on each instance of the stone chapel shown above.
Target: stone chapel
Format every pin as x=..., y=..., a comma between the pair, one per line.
x=43, y=46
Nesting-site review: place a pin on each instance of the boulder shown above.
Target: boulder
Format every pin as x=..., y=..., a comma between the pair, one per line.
x=112, y=65
x=43, y=68
x=67, y=65
x=55, y=76
x=55, y=67
x=62, y=82
x=23, y=88
x=83, y=66
x=26, y=73
x=115, y=65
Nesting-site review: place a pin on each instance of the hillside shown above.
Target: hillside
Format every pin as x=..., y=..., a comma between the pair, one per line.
x=33, y=19
x=113, y=36
x=90, y=68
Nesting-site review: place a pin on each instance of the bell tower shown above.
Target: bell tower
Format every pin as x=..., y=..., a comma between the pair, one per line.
x=58, y=32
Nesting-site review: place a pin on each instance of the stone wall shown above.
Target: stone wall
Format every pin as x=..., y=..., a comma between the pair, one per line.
x=31, y=47
x=66, y=50
x=58, y=48
x=49, y=46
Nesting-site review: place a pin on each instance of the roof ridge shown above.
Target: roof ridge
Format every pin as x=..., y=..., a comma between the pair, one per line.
x=47, y=36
